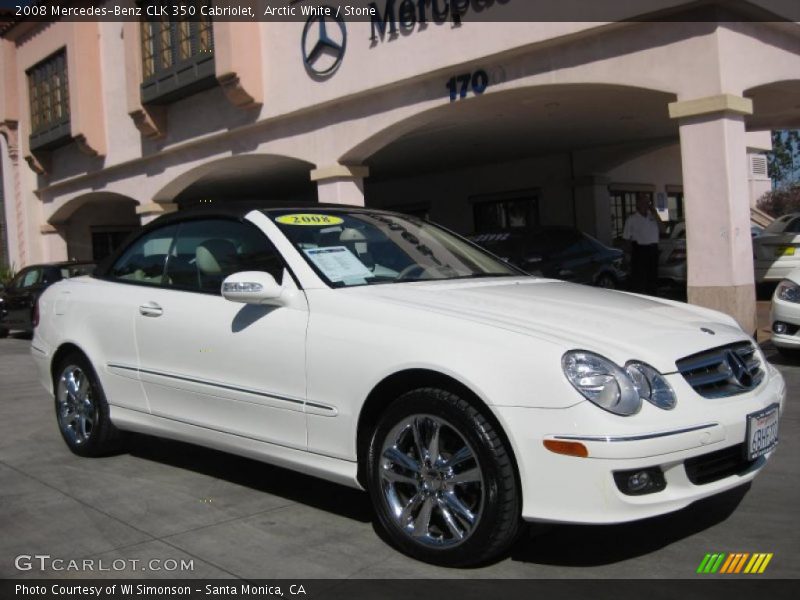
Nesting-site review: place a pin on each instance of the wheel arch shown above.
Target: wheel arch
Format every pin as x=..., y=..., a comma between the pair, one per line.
x=397, y=384
x=63, y=350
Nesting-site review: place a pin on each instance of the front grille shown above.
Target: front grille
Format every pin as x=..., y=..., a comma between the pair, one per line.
x=724, y=371
x=717, y=465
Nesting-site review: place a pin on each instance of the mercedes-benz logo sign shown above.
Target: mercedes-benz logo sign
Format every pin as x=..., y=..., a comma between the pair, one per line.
x=324, y=43
x=739, y=370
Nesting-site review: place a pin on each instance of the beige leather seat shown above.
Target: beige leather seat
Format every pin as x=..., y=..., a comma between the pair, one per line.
x=215, y=259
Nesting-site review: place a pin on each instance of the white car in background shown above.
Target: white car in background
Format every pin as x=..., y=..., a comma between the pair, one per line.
x=785, y=314
x=672, y=255
x=777, y=250
x=382, y=352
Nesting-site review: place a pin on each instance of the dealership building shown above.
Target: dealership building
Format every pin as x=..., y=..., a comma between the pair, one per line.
x=474, y=121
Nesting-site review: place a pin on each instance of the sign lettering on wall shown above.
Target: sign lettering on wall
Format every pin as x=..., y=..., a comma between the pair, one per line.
x=403, y=16
x=461, y=85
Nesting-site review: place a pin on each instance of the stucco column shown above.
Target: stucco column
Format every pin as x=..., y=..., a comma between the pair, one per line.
x=54, y=243
x=152, y=210
x=340, y=184
x=717, y=205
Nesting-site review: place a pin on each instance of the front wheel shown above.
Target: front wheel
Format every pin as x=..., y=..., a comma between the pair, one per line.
x=442, y=480
x=81, y=408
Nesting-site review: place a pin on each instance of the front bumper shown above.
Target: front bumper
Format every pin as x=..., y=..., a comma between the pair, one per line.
x=561, y=488
x=673, y=272
x=789, y=313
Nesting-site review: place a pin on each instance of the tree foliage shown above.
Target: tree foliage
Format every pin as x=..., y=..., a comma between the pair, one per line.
x=784, y=159
x=781, y=201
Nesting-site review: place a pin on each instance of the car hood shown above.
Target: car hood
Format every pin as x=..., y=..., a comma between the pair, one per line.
x=619, y=325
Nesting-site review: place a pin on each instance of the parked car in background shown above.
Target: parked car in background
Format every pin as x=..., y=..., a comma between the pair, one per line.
x=785, y=314
x=777, y=250
x=18, y=298
x=558, y=253
x=382, y=352
x=672, y=252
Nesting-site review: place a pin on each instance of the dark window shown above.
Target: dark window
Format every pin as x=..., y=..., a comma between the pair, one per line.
x=208, y=251
x=513, y=211
x=143, y=262
x=675, y=206
x=623, y=205
x=177, y=53
x=48, y=93
x=106, y=241
x=27, y=278
x=76, y=270
x=793, y=227
x=421, y=211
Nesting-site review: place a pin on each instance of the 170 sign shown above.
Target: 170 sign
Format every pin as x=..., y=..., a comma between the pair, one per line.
x=460, y=85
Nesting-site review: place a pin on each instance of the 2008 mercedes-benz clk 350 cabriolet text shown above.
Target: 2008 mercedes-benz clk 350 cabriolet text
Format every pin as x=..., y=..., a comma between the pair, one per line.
x=380, y=351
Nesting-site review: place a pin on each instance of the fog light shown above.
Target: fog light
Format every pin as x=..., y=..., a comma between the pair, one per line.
x=638, y=482
x=779, y=328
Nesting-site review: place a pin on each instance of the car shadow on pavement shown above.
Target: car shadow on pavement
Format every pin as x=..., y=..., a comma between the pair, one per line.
x=595, y=545
x=259, y=476
x=788, y=358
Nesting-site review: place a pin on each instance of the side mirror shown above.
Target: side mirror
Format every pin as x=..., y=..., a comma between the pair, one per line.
x=252, y=287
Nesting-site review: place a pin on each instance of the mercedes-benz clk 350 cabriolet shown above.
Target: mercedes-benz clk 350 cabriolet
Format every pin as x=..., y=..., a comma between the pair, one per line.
x=383, y=352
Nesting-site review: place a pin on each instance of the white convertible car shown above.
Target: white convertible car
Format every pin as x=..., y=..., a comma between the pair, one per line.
x=382, y=352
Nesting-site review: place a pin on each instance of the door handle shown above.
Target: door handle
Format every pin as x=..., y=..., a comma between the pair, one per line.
x=151, y=309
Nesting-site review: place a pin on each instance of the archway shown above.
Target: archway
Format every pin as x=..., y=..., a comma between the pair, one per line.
x=250, y=178
x=93, y=225
x=546, y=145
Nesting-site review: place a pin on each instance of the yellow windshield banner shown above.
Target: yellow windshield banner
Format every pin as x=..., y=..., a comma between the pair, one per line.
x=309, y=220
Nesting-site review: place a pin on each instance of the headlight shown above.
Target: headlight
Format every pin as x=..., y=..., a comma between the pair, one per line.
x=602, y=382
x=788, y=291
x=651, y=385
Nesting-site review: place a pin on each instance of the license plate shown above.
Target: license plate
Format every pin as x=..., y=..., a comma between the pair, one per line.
x=784, y=251
x=762, y=432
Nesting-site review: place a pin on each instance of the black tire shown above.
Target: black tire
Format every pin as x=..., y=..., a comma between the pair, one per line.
x=3, y=333
x=788, y=353
x=434, y=491
x=604, y=280
x=82, y=412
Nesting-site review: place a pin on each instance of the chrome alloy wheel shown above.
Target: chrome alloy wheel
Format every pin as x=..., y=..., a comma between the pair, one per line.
x=431, y=481
x=77, y=410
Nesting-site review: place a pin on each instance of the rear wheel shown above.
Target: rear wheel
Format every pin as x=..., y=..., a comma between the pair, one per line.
x=442, y=480
x=81, y=408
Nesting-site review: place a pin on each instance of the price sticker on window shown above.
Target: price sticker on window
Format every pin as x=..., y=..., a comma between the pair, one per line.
x=309, y=220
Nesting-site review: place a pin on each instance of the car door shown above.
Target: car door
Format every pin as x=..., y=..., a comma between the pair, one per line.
x=20, y=297
x=114, y=304
x=206, y=361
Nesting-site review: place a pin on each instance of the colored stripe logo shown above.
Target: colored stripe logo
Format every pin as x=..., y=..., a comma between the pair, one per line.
x=733, y=563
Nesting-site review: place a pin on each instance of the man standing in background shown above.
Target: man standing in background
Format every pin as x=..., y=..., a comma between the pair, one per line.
x=642, y=230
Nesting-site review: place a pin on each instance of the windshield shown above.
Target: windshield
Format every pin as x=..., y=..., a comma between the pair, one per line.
x=353, y=247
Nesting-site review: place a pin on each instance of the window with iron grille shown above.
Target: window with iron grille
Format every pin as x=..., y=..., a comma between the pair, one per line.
x=505, y=211
x=177, y=54
x=48, y=93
